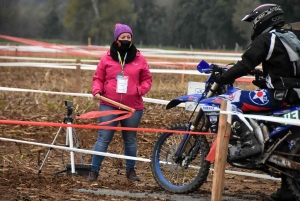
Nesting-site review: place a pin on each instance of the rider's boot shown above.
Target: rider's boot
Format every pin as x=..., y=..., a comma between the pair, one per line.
x=249, y=144
x=283, y=193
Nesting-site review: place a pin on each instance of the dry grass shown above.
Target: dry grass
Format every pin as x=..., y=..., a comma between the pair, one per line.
x=20, y=163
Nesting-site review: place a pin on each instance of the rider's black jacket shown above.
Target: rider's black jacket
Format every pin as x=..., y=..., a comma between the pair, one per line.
x=268, y=50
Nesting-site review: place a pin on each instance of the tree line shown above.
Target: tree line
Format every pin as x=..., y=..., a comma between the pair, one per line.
x=201, y=24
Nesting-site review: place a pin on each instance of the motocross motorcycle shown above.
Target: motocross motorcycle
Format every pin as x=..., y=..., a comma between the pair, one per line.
x=178, y=161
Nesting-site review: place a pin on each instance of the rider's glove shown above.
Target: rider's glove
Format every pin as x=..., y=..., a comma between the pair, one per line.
x=216, y=73
x=259, y=78
x=256, y=72
x=261, y=83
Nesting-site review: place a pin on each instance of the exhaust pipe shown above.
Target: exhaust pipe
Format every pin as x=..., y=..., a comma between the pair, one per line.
x=258, y=133
x=284, y=162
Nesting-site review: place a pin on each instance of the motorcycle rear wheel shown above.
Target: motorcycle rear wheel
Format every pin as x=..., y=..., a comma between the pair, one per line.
x=175, y=177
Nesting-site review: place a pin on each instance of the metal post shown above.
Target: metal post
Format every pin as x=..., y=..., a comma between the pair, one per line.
x=69, y=131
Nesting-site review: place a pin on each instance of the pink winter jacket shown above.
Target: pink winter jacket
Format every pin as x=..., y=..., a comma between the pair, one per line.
x=139, y=81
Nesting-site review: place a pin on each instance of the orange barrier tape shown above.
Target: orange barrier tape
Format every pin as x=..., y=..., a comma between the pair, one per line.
x=243, y=79
x=34, y=54
x=49, y=45
x=212, y=153
x=96, y=114
x=32, y=123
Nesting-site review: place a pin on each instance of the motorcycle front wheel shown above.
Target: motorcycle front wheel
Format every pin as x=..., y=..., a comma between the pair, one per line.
x=190, y=172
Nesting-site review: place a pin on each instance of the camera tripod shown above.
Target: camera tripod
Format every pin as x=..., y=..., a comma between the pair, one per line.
x=70, y=136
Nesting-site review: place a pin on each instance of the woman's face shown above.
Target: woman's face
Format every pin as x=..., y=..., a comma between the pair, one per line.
x=125, y=36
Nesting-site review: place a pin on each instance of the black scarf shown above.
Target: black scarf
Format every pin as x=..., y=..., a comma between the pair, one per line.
x=117, y=47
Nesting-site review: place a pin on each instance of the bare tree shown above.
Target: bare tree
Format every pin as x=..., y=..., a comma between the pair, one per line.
x=94, y=2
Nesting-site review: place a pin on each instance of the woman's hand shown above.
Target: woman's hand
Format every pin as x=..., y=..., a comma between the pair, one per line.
x=97, y=96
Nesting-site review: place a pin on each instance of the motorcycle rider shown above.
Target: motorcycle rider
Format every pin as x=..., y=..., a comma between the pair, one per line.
x=277, y=83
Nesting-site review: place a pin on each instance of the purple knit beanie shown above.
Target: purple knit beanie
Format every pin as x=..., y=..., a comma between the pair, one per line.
x=121, y=28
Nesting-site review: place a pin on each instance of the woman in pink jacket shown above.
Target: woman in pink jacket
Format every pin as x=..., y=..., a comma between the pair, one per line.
x=122, y=75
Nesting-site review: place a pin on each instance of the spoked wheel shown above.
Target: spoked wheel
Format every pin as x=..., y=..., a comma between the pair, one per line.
x=294, y=184
x=185, y=173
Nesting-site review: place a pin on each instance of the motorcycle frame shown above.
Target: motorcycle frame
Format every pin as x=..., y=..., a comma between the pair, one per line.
x=270, y=157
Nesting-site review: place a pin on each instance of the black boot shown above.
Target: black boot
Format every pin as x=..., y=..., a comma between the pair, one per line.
x=131, y=175
x=280, y=196
x=282, y=193
x=250, y=145
x=93, y=175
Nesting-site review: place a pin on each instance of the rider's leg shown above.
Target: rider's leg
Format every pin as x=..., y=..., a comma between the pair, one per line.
x=258, y=100
x=249, y=144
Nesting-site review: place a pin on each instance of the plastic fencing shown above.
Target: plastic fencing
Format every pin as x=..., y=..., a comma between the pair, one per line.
x=73, y=63
x=157, y=101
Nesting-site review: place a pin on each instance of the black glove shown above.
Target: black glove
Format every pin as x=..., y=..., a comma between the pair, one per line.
x=216, y=73
x=261, y=83
x=259, y=78
x=258, y=74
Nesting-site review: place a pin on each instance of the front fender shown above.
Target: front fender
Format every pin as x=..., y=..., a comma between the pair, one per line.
x=182, y=99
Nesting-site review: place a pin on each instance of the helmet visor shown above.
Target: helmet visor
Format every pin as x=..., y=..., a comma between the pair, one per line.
x=247, y=18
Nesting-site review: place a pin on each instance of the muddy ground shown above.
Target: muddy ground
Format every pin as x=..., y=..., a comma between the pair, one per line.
x=19, y=163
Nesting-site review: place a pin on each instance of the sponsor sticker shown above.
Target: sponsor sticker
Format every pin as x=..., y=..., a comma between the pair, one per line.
x=191, y=98
x=259, y=97
x=213, y=119
x=209, y=108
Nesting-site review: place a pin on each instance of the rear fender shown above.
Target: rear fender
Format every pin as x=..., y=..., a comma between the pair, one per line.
x=182, y=99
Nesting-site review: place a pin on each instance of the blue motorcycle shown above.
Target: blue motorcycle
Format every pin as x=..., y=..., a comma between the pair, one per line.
x=178, y=161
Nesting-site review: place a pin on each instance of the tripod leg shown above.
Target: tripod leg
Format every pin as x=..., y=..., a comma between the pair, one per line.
x=53, y=142
x=67, y=138
x=77, y=145
x=69, y=133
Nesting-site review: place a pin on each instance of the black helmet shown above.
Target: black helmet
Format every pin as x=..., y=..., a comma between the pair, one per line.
x=265, y=16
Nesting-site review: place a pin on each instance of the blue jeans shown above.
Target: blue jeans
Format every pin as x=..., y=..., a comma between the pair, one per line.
x=105, y=137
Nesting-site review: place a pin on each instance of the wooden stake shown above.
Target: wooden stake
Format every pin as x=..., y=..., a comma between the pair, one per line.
x=16, y=51
x=221, y=152
x=182, y=75
x=89, y=41
x=78, y=76
x=117, y=104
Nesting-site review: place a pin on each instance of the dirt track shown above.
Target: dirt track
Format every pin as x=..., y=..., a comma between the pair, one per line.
x=19, y=178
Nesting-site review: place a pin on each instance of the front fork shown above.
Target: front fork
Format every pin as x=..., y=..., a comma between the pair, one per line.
x=183, y=142
x=192, y=127
x=186, y=138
